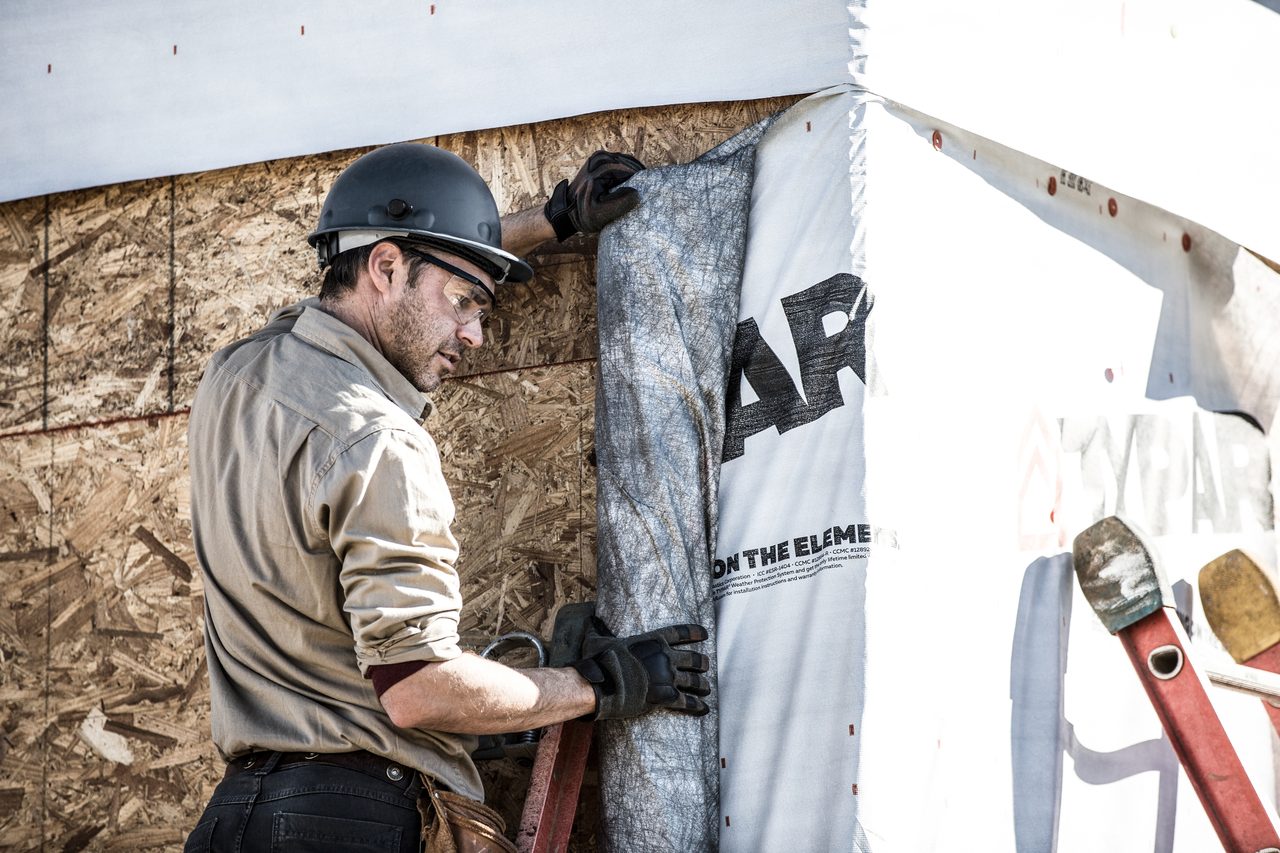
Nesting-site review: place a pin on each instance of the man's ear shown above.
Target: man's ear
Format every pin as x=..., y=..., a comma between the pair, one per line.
x=381, y=265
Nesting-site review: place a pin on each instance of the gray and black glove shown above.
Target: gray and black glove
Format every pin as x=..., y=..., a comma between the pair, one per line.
x=632, y=675
x=595, y=197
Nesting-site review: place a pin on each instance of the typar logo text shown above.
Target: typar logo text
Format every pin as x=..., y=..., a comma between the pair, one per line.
x=781, y=405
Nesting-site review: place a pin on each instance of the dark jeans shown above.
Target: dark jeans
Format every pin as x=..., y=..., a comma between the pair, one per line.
x=300, y=807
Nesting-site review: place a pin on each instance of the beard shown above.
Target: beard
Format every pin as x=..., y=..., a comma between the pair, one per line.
x=411, y=339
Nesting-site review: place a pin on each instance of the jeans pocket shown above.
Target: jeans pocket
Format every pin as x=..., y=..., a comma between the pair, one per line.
x=201, y=837
x=307, y=833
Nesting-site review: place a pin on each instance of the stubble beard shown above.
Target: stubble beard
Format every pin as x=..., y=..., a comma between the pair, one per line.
x=411, y=341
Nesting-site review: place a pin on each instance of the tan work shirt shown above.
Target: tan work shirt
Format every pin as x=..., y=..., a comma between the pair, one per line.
x=321, y=525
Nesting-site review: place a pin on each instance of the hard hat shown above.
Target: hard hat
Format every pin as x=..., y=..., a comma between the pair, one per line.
x=419, y=193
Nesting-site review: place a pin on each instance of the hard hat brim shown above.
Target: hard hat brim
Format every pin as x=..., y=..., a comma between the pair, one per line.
x=511, y=269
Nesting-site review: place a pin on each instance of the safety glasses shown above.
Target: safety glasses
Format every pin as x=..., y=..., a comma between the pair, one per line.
x=471, y=298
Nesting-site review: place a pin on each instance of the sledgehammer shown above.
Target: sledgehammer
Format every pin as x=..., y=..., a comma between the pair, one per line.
x=1119, y=578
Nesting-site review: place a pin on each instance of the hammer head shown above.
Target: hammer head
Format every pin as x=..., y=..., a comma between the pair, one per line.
x=1117, y=574
x=1240, y=604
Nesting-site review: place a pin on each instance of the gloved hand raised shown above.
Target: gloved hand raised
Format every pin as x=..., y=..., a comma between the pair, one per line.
x=632, y=675
x=594, y=198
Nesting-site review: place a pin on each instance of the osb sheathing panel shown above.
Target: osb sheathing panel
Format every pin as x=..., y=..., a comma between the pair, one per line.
x=22, y=289
x=241, y=252
x=95, y=553
x=126, y=757
x=516, y=447
x=27, y=566
x=108, y=314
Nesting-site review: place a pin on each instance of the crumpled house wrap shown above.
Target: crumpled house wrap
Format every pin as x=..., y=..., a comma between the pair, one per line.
x=668, y=279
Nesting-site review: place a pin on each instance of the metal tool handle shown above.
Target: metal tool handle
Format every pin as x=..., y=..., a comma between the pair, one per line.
x=1243, y=679
x=514, y=640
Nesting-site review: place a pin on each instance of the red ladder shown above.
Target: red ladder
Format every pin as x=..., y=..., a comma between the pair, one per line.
x=1119, y=578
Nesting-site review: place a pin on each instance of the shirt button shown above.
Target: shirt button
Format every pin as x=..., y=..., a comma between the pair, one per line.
x=395, y=774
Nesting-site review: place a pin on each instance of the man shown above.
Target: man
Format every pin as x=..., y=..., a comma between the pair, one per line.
x=321, y=521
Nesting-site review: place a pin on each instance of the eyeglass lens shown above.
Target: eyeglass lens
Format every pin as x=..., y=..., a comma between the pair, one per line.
x=470, y=301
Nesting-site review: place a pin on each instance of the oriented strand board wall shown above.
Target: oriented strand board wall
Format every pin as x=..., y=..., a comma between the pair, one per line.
x=111, y=301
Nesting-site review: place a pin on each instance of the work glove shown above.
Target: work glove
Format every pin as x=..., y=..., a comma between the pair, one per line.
x=632, y=675
x=595, y=197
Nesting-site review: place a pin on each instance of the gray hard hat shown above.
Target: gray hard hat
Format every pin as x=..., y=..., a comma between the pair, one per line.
x=419, y=193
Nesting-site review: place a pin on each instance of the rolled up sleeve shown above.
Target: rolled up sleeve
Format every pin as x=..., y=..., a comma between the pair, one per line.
x=387, y=512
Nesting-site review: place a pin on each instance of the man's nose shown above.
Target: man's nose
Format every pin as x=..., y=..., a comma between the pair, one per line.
x=471, y=334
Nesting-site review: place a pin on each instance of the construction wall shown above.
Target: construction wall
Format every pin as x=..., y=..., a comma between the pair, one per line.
x=111, y=301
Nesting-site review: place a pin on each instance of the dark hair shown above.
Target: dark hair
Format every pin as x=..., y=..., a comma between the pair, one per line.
x=344, y=270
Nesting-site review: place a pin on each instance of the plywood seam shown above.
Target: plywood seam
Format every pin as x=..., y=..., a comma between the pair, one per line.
x=88, y=425
x=186, y=410
x=498, y=371
x=173, y=282
x=48, y=625
x=44, y=326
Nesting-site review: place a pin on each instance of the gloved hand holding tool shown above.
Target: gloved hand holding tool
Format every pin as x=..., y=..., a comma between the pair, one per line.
x=594, y=197
x=633, y=675
x=629, y=676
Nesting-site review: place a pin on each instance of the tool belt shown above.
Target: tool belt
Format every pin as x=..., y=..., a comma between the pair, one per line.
x=452, y=823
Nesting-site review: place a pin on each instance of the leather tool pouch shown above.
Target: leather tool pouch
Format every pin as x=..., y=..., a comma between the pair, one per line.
x=452, y=823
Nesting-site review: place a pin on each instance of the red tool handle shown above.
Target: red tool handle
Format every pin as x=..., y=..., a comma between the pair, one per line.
x=1197, y=736
x=549, y=808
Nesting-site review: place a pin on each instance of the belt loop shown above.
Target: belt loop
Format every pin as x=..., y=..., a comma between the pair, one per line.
x=267, y=766
x=415, y=789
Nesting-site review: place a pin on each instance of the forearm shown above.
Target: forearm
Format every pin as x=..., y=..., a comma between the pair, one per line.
x=594, y=198
x=526, y=230
x=471, y=695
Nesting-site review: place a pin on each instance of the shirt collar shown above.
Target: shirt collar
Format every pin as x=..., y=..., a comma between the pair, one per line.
x=330, y=334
